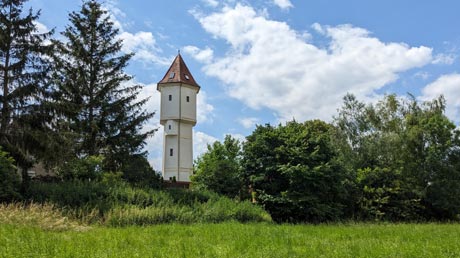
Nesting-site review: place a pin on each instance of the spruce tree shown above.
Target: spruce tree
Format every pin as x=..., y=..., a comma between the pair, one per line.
x=100, y=106
x=26, y=120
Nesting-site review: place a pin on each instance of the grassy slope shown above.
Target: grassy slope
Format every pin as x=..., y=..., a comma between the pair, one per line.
x=235, y=240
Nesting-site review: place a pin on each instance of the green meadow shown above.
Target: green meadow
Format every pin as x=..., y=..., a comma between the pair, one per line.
x=232, y=239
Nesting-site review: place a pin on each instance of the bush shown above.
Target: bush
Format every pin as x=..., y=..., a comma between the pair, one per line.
x=122, y=204
x=138, y=172
x=87, y=168
x=10, y=182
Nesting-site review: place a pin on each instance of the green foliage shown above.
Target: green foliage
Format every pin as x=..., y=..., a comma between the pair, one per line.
x=385, y=197
x=26, y=115
x=403, y=153
x=137, y=171
x=295, y=172
x=9, y=178
x=219, y=169
x=100, y=110
x=121, y=205
x=88, y=168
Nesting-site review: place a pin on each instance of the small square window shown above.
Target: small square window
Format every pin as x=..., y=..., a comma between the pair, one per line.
x=171, y=152
x=188, y=98
x=170, y=97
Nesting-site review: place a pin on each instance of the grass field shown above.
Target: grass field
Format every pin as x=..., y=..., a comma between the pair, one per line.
x=234, y=240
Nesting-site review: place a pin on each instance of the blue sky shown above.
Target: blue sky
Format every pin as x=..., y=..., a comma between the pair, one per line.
x=268, y=61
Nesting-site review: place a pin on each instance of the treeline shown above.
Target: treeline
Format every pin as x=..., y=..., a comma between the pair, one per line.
x=397, y=160
x=66, y=102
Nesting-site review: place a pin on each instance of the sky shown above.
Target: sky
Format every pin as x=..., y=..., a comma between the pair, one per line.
x=271, y=61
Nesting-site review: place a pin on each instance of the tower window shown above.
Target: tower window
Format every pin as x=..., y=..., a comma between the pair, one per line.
x=170, y=97
x=171, y=152
x=186, y=76
x=188, y=98
x=169, y=126
x=171, y=75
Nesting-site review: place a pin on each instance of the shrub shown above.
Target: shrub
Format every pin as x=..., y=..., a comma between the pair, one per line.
x=9, y=178
x=87, y=168
x=138, y=172
x=122, y=204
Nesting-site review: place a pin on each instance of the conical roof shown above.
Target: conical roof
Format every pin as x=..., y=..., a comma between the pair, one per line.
x=179, y=73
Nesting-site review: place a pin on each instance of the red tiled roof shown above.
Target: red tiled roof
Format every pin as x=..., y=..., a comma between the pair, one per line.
x=179, y=73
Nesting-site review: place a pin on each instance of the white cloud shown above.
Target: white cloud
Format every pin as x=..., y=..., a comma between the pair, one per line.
x=204, y=109
x=200, y=142
x=422, y=74
x=248, y=122
x=238, y=136
x=202, y=55
x=212, y=3
x=40, y=27
x=446, y=59
x=142, y=43
x=270, y=65
x=449, y=86
x=283, y=4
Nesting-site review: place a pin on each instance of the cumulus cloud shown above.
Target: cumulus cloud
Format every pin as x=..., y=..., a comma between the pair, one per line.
x=40, y=28
x=446, y=59
x=212, y=3
x=449, y=86
x=283, y=4
x=204, y=109
x=142, y=43
x=201, y=55
x=144, y=47
x=200, y=143
x=248, y=122
x=270, y=65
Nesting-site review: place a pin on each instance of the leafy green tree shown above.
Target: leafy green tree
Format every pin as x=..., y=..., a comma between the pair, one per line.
x=137, y=171
x=219, y=169
x=86, y=168
x=401, y=151
x=295, y=171
x=9, y=178
x=26, y=120
x=100, y=106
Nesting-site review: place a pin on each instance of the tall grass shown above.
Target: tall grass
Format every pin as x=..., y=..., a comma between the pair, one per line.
x=45, y=216
x=123, y=205
x=236, y=240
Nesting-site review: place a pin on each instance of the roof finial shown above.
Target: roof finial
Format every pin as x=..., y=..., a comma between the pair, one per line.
x=178, y=51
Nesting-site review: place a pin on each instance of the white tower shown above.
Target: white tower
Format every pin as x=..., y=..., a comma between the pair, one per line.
x=178, y=116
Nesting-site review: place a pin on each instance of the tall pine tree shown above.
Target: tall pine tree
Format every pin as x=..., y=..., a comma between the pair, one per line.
x=100, y=106
x=26, y=120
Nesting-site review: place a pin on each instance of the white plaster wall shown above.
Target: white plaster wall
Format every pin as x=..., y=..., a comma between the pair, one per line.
x=186, y=155
x=181, y=116
x=171, y=127
x=169, y=109
x=170, y=162
x=188, y=108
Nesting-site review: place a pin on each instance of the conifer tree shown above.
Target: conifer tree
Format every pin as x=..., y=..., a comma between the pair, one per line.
x=25, y=120
x=100, y=106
